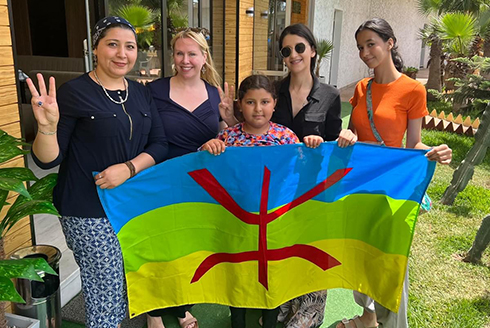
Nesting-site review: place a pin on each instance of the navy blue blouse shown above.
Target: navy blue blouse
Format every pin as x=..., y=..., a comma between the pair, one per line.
x=95, y=133
x=186, y=131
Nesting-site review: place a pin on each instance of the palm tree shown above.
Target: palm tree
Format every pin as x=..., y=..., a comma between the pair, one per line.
x=142, y=18
x=484, y=29
x=457, y=32
x=324, y=49
x=430, y=35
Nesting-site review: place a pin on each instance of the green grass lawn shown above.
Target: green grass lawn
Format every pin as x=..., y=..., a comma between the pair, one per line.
x=444, y=291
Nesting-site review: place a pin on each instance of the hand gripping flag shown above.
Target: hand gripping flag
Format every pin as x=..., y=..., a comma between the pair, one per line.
x=258, y=226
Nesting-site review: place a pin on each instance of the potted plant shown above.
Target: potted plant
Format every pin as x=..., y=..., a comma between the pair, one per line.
x=25, y=269
x=324, y=49
x=411, y=71
x=33, y=200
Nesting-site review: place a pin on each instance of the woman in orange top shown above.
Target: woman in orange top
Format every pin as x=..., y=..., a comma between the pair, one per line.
x=397, y=104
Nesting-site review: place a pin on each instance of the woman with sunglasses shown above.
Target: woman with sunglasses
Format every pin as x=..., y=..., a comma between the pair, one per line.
x=312, y=110
x=305, y=105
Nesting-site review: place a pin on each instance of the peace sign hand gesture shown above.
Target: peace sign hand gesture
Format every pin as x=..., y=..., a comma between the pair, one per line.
x=44, y=105
x=226, y=105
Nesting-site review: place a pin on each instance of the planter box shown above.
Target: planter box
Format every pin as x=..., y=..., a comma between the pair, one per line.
x=21, y=322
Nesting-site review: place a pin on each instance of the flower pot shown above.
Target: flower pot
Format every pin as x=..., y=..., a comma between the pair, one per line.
x=21, y=322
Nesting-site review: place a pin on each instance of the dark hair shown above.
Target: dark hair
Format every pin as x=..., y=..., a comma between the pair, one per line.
x=385, y=32
x=304, y=32
x=105, y=30
x=255, y=82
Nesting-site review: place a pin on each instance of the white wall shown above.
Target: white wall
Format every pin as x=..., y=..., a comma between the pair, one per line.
x=401, y=14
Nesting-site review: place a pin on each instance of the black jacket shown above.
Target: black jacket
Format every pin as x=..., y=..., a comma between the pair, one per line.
x=320, y=116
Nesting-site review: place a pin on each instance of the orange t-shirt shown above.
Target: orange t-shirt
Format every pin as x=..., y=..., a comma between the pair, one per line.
x=394, y=104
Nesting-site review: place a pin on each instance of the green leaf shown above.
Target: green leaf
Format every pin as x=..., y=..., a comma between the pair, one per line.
x=15, y=185
x=3, y=197
x=9, y=147
x=458, y=30
x=141, y=17
x=18, y=269
x=19, y=173
x=43, y=189
x=25, y=268
x=8, y=291
x=40, y=190
x=29, y=208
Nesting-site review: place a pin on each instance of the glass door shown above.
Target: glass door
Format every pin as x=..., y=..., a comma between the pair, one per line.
x=157, y=21
x=270, y=18
x=145, y=16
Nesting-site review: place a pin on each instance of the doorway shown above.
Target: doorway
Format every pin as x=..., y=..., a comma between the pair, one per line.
x=270, y=18
x=336, y=37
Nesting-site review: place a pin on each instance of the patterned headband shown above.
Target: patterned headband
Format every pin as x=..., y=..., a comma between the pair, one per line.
x=105, y=23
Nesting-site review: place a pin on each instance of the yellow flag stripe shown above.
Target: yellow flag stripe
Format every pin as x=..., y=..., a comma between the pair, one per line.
x=288, y=279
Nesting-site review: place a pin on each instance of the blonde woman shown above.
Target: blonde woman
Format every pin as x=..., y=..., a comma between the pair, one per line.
x=188, y=106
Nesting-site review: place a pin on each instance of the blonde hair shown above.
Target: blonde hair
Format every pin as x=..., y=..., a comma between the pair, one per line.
x=210, y=74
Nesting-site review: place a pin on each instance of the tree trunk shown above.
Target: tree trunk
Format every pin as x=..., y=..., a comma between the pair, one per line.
x=486, y=47
x=481, y=242
x=3, y=321
x=434, y=80
x=475, y=156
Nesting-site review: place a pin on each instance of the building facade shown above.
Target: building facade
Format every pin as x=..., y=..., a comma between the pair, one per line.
x=338, y=20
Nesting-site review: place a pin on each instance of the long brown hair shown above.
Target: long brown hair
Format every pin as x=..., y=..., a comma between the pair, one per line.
x=210, y=74
x=385, y=32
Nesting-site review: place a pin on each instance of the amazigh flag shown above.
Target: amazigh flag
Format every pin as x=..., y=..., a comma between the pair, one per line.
x=258, y=226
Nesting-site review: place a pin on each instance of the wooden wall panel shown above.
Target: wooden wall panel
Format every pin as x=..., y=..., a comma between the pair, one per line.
x=12, y=128
x=7, y=75
x=20, y=238
x=15, y=162
x=230, y=41
x=245, y=39
x=8, y=95
x=5, y=39
x=261, y=35
x=218, y=37
x=301, y=17
x=20, y=235
x=4, y=16
x=9, y=113
x=6, y=57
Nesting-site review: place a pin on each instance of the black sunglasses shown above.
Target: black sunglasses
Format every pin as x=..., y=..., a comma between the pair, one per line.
x=299, y=48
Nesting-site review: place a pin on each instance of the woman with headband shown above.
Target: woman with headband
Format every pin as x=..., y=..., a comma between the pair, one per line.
x=100, y=122
x=189, y=121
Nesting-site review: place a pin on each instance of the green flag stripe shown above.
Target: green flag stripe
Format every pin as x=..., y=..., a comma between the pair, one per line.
x=368, y=218
x=171, y=232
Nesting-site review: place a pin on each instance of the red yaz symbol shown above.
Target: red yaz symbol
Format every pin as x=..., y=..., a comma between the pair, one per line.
x=263, y=255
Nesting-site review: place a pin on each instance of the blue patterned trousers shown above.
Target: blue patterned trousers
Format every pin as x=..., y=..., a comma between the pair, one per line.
x=98, y=254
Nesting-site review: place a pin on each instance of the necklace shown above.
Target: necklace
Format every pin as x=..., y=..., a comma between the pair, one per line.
x=122, y=101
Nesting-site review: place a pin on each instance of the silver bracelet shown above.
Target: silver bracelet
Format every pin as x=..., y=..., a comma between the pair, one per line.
x=47, y=133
